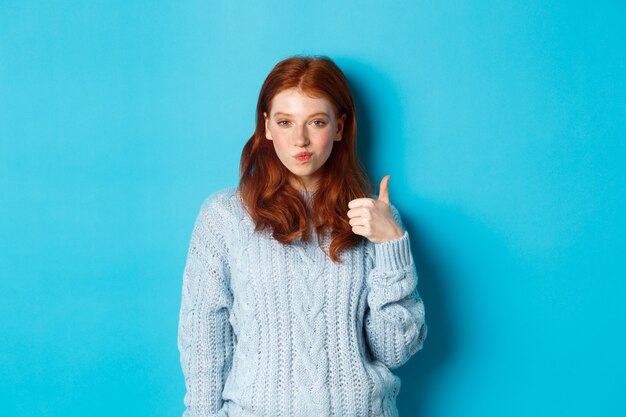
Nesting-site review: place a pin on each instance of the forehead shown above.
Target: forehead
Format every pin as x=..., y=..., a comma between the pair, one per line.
x=296, y=101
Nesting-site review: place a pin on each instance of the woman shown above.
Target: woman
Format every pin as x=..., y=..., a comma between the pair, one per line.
x=299, y=291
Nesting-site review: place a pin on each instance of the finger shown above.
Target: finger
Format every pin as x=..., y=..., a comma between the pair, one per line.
x=384, y=189
x=363, y=212
x=357, y=221
x=359, y=202
x=359, y=230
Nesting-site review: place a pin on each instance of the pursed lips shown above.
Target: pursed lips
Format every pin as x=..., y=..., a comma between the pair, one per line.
x=301, y=154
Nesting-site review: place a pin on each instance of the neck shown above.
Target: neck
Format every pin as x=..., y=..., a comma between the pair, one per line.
x=311, y=186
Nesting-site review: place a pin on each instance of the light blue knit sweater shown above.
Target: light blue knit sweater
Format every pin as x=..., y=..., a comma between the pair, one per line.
x=268, y=329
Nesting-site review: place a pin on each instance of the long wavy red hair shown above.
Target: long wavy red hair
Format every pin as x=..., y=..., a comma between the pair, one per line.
x=264, y=183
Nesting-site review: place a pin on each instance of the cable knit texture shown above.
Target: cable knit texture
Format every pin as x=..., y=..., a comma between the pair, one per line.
x=268, y=329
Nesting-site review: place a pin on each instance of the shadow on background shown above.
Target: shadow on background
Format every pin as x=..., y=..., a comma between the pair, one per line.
x=419, y=374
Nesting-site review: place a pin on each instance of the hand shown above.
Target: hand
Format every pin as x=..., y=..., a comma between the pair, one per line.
x=373, y=218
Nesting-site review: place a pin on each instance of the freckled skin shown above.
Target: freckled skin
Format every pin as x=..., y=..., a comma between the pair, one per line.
x=300, y=123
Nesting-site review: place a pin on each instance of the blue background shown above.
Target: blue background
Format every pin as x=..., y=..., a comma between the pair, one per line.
x=501, y=123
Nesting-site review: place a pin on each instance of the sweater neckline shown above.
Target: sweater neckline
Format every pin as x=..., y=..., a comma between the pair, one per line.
x=307, y=196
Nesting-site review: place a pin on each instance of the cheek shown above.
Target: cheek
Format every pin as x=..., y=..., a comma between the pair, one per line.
x=279, y=141
x=322, y=137
x=326, y=140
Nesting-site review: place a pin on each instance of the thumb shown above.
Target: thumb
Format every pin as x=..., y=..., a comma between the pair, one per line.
x=383, y=195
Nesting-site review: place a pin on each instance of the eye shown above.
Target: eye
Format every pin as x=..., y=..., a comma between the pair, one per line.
x=282, y=122
x=319, y=122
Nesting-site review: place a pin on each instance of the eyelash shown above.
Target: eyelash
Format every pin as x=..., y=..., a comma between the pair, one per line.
x=318, y=123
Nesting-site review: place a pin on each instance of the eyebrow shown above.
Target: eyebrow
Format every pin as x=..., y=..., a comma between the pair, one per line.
x=289, y=114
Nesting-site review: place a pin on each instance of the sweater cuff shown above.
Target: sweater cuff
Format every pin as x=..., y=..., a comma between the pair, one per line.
x=393, y=254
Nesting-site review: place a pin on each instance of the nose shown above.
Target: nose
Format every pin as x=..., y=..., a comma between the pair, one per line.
x=301, y=136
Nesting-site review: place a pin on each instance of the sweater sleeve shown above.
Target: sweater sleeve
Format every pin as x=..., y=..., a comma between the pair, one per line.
x=395, y=324
x=205, y=336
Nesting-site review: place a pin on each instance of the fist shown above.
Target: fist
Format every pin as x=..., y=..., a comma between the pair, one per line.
x=373, y=218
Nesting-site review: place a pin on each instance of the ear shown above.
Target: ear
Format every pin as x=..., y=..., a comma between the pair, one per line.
x=340, y=122
x=268, y=134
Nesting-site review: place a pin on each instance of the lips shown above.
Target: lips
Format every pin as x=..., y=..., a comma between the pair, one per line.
x=303, y=156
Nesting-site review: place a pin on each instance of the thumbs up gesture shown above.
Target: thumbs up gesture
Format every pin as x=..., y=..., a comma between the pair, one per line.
x=372, y=218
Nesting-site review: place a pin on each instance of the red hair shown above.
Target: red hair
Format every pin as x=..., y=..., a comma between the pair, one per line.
x=264, y=187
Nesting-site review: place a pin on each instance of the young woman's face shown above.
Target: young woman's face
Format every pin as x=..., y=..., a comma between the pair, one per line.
x=298, y=124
